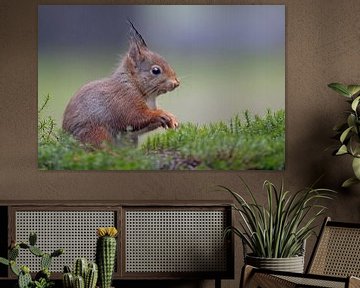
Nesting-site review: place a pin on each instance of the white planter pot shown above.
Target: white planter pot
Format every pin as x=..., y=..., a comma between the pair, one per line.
x=291, y=264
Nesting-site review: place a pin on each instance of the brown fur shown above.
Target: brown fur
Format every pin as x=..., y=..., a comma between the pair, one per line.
x=124, y=101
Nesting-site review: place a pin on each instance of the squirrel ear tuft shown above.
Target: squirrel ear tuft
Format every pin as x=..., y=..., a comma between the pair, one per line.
x=135, y=37
x=137, y=44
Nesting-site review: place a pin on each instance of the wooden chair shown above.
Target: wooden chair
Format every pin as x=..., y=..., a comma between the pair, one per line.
x=334, y=263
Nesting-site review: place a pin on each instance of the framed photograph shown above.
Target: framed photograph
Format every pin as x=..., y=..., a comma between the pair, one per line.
x=161, y=87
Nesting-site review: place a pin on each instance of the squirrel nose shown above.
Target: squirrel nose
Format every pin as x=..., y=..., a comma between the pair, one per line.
x=176, y=82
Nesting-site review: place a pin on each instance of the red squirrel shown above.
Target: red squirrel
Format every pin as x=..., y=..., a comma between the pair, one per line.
x=105, y=109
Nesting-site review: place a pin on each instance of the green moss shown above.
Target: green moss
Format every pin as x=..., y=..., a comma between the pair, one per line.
x=245, y=142
x=68, y=154
x=241, y=144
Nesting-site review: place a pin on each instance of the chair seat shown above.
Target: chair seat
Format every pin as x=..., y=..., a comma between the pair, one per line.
x=267, y=279
x=315, y=282
x=335, y=262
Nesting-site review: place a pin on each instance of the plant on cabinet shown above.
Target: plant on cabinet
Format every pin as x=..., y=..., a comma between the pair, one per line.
x=84, y=275
x=106, y=254
x=42, y=278
x=275, y=233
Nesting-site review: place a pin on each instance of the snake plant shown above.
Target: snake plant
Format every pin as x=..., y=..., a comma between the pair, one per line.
x=279, y=228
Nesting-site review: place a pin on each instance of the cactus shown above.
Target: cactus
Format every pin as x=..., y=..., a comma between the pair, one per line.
x=45, y=261
x=32, y=238
x=36, y=251
x=14, y=268
x=13, y=253
x=44, y=273
x=57, y=253
x=23, y=273
x=80, y=267
x=88, y=273
x=24, y=245
x=67, y=269
x=24, y=277
x=91, y=276
x=68, y=280
x=79, y=282
x=105, y=254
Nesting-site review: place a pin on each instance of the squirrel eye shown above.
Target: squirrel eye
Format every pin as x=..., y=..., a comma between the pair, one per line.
x=156, y=70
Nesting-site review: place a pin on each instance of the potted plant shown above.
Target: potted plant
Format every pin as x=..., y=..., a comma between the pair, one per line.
x=84, y=274
x=42, y=278
x=106, y=254
x=87, y=274
x=349, y=132
x=276, y=233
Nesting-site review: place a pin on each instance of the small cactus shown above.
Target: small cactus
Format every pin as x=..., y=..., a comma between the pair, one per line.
x=68, y=280
x=106, y=254
x=79, y=282
x=24, y=246
x=32, y=238
x=14, y=268
x=25, y=269
x=24, y=277
x=80, y=267
x=45, y=261
x=13, y=253
x=83, y=274
x=23, y=273
x=36, y=251
x=44, y=273
x=67, y=269
x=57, y=252
x=91, y=276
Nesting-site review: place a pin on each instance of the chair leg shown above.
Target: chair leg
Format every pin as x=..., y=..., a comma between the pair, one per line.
x=246, y=273
x=217, y=283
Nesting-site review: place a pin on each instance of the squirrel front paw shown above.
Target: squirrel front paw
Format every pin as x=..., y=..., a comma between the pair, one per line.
x=165, y=119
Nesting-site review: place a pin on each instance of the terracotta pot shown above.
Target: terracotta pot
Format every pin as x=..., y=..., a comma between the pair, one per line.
x=291, y=264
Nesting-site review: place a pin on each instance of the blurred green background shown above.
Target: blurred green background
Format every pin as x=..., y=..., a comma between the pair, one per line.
x=228, y=58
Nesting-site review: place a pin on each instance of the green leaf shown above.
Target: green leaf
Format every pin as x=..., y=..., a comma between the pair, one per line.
x=4, y=261
x=342, y=150
x=354, y=145
x=356, y=167
x=353, y=89
x=351, y=120
x=351, y=181
x=14, y=268
x=280, y=227
x=355, y=103
x=340, y=88
x=345, y=134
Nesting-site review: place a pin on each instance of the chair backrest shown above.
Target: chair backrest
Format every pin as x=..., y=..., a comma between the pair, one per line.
x=337, y=251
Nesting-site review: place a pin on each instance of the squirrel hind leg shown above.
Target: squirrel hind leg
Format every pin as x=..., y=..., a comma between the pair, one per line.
x=97, y=136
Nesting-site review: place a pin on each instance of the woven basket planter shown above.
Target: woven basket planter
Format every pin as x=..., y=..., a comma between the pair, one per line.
x=291, y=264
